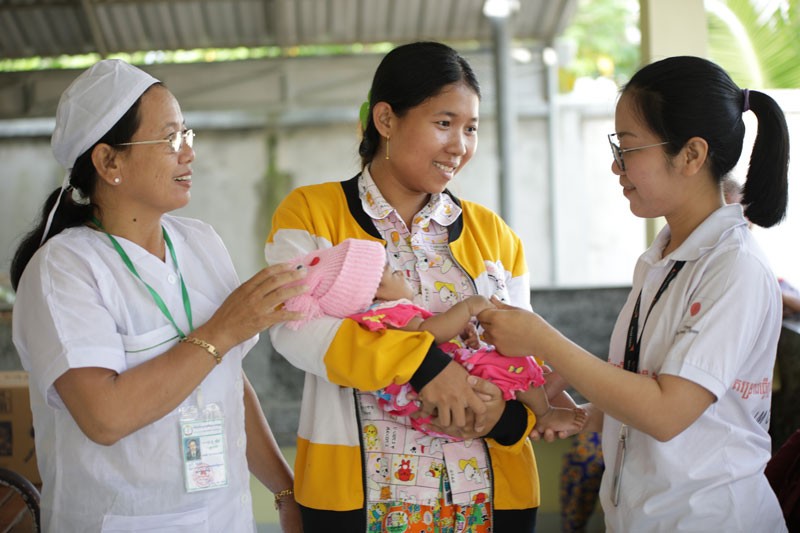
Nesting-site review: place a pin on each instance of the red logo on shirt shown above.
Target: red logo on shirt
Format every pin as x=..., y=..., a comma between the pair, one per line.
x=695, y=308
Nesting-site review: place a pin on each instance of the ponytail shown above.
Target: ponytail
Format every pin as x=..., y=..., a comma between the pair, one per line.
x=83, y=180
x=684, y=96
x=766, y=190
x=69, y=214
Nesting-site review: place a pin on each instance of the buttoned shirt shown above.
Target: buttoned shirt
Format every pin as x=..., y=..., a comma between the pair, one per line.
x=79, y=306
x=717, y=325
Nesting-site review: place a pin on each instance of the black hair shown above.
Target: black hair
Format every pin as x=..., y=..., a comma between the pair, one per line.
x=409, y=75
x=683, y=97
x=83, y=178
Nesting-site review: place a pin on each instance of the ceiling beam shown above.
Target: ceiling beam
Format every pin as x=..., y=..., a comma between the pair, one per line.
x=94, y=27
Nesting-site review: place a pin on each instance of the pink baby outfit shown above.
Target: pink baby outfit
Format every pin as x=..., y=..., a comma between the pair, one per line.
x=510, y=374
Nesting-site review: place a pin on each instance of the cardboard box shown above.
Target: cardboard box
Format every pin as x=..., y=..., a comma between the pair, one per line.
x=17, y=448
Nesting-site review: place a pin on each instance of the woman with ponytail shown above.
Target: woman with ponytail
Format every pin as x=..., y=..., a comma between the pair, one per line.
x=684, y=400
x=133, y=326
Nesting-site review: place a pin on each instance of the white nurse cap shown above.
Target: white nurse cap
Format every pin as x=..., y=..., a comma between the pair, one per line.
x=88, y=109
x=92, y=104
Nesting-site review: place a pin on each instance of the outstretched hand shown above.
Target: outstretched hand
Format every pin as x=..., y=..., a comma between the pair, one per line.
x=256, y=305
x=513, y=331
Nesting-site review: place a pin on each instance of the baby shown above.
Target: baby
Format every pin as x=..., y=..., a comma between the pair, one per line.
x=353, y=280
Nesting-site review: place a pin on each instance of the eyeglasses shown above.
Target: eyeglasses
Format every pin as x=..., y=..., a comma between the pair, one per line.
x=617, y=151
x=175, y=140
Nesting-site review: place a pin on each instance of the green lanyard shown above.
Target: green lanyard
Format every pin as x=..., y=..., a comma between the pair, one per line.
x=156, y=298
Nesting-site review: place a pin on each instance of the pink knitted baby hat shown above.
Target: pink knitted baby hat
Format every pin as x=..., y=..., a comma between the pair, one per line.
x=341, y=280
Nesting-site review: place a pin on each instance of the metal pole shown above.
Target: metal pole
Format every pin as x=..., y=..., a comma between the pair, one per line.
x=504, y=114
x=551, y=77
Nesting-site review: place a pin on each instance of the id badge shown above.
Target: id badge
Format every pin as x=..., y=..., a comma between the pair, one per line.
x=617, y=484
x=203, y=449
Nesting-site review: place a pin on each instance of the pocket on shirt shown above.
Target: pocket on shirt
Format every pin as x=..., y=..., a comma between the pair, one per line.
x=141, y=348
x=195, y=521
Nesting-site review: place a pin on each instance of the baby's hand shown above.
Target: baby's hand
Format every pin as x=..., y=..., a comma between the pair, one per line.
x=478, y=304
x=470, y=337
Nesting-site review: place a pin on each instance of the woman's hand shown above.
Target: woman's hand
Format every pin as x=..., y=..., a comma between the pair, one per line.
x=492, y=397
x=449, y=397
x=254, y=306
x=513, y=331
x=289, y=516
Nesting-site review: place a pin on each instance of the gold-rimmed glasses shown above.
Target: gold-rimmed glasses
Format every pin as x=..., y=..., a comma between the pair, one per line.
x=175, y=140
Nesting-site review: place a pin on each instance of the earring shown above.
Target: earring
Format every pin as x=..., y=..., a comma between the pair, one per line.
x=387, y=148
x=117, y=180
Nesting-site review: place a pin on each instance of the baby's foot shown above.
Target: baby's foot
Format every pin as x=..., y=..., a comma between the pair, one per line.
x=563, y=421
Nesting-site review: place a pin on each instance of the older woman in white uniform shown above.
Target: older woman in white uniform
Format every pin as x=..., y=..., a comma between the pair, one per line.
x=133, y=326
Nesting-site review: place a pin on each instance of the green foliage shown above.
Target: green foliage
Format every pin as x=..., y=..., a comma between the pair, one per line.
x=601, y=30
x=199, y=55
x=756, y=42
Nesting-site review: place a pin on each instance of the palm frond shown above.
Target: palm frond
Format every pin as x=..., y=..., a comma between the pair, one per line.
x=756, y=42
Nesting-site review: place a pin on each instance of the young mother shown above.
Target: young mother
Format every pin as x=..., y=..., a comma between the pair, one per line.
x=687, y=395
x=358, y=469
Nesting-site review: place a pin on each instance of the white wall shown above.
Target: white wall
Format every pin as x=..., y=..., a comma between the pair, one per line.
x=29, y=173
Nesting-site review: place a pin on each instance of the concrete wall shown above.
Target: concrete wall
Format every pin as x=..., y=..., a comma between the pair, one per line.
x=575, y=223
x=576, y=226
x=598, y=238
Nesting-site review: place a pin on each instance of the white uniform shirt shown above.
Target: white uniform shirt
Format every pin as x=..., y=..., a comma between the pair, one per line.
x=79, y=306
x=716, y=325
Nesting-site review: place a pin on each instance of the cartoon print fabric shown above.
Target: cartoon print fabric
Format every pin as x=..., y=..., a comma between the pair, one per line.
x=416, y=480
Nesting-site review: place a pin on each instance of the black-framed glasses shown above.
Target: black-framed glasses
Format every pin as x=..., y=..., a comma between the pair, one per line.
x=175, y=140
x=617, y=151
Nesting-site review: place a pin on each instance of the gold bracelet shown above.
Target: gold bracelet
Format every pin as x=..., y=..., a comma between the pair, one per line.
x=210, y=348
x=279, y=496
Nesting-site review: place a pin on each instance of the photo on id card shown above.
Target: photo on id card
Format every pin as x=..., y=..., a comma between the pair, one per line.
x=203, y=449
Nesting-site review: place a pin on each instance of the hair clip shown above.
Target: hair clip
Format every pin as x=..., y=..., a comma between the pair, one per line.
x=363, y=112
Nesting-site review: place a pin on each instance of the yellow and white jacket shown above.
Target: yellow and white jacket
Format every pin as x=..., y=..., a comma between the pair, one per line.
x=339, y=356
